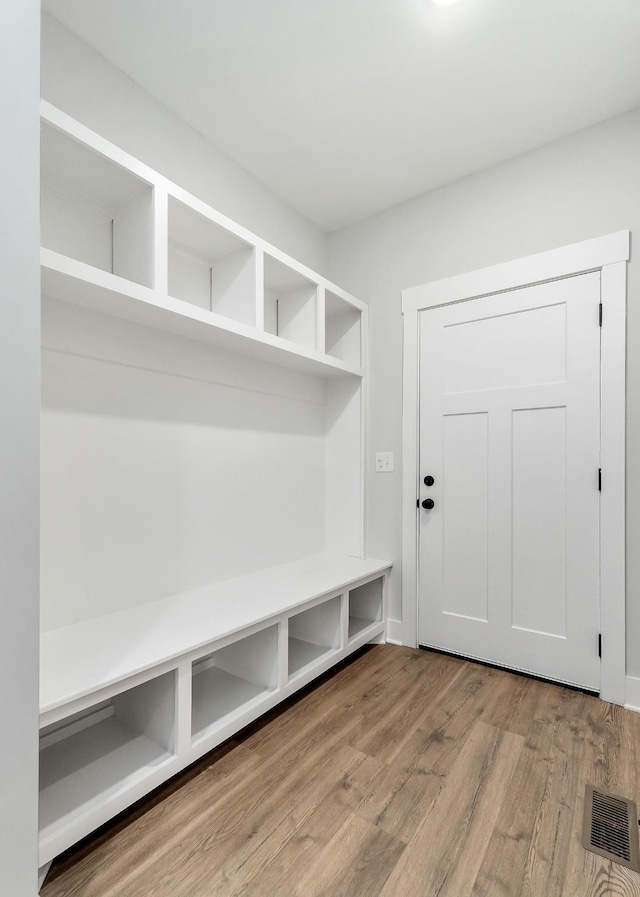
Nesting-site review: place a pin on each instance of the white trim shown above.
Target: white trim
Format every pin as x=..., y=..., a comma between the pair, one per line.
x=632, y=701
x=609, y=255
x=364, y=418
x=613, y=295
x=42, y=873
x=394, y=632
x=410, y=427
x=591, y=255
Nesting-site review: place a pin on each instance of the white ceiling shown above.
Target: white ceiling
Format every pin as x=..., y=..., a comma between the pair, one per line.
x=346, y=107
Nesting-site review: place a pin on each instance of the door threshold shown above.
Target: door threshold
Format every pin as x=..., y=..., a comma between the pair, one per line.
x=497, y=666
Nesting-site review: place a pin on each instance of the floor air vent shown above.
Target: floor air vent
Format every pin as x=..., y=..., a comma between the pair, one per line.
x=611, y=827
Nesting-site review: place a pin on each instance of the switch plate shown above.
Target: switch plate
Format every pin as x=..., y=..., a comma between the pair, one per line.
x=384, y=462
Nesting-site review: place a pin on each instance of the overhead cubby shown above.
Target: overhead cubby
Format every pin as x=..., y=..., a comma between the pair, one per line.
x=209, y=266
x=91, y=756
x=343, y=329
x=232, y=679
x=365, y=607
x=93, y=210
x=313, y=634
x=290, y=304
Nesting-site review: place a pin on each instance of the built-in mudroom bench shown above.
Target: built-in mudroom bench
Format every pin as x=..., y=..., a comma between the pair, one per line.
x=131, y=698
x=203, y=465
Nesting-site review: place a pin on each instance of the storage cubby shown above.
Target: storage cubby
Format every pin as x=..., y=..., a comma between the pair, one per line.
x=365, y=607
x=233, y=678
x=290, y=304
x=343, y=329
x=93, y=210
x=91, y=756
x=210, y=266
x=312, y=634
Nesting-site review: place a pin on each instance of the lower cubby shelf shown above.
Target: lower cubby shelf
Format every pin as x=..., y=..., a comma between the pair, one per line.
x=365, y=607
x=91, y=757
x=216, y=694
x=217, y=660
x=302, y=653
x=313, y=633
x=232, y=678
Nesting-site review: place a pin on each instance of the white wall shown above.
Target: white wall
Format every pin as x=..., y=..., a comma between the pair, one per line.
x=83, y=84
x=574, y=189
x=19, y=413
x=168, y=465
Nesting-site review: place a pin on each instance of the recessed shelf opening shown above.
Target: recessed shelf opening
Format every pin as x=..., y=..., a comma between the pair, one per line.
x=233, y=678
x=365, y=607
x=93, y=755
x=290, y=304
x=210, y=266
x=313, y=634
x=343, y=329
x=94, y=211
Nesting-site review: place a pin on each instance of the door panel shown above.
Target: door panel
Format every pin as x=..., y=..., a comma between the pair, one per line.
x=509, y=429
x=539, y=589
x=527, y=347
x=464, y=513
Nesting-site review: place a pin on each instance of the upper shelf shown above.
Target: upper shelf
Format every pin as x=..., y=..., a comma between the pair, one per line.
x=72, y=281
x=119, y=237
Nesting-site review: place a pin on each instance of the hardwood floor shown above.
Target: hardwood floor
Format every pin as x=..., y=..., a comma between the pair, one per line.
x=403, y=773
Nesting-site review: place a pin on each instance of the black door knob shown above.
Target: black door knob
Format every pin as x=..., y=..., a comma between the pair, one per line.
x=428, y=503
x=429, y=481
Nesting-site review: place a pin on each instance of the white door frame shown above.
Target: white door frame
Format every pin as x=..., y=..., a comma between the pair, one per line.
x=609, y=255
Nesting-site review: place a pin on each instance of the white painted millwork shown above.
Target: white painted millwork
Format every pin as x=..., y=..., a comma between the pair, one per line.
x=218, y=282
x=509, y=429
x=607, y=255
x=202, y=480
x=632, y=701
x=99, y=653
x=130, y=698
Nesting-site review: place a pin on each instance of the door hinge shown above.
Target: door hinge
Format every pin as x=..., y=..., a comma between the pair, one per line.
x=599, y=644
x=599, y=479
x=600, y=314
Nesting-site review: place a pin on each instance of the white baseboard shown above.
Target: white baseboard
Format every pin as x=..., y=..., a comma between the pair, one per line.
x=394, y=632
x=42, y=873
x=632, y=693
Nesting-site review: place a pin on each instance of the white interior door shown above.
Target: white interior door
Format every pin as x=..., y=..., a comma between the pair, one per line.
x=509, y=431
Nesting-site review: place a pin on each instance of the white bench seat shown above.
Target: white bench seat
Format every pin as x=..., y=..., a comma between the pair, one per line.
x=168, y=680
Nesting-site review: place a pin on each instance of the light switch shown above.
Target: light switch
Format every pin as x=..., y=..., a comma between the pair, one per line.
x=384, y=462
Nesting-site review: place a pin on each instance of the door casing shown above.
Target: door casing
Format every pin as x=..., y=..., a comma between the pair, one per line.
x=609, y=255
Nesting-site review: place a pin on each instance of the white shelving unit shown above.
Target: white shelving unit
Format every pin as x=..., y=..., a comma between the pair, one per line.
x=170, y=334
x=153, y=239
x=218, y=658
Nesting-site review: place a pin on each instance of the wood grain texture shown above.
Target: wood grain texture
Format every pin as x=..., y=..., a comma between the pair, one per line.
x=402, y=772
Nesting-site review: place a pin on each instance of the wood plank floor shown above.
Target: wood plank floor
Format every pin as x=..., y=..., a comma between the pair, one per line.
x=403, y=773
